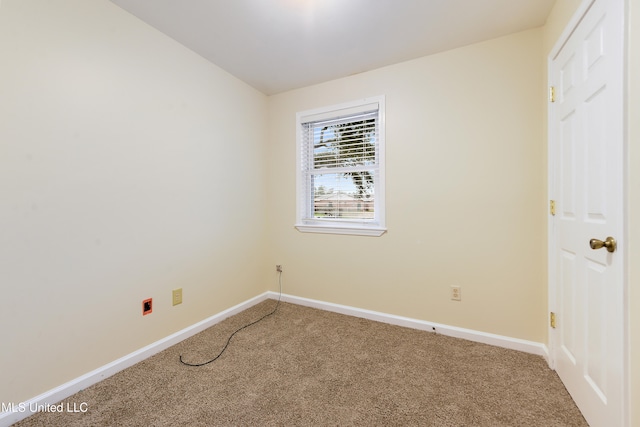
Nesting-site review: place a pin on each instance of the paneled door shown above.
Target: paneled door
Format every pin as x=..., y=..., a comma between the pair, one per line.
x=587, y=231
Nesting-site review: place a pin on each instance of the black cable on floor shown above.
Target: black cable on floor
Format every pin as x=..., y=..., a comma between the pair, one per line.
x=238, y=330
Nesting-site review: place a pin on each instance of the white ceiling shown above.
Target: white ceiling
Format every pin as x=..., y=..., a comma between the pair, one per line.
x=278, y=45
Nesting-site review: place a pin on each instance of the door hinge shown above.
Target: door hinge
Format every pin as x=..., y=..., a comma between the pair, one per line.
x=552, y=207
x=552, y=94
x=552, y=319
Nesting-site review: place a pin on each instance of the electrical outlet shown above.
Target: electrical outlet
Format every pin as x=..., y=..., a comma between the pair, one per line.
x=147, y=307
x=278, y=268
x=456, y=293
x=177, y=296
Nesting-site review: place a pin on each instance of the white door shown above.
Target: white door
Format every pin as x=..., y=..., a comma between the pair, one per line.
x=586, y=181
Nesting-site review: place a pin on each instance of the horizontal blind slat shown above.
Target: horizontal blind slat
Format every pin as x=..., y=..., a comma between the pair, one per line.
x=337, y=115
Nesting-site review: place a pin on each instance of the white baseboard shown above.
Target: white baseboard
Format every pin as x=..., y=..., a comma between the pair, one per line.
x=23, y=409
x=452, y=331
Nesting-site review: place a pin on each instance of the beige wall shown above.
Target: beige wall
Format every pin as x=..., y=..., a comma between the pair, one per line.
x=120, y=180
x=465, y=192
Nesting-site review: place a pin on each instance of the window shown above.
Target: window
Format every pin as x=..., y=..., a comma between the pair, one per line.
x=340, y=180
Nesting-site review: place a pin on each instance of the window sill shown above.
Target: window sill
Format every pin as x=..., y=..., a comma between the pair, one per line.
x=341, y=229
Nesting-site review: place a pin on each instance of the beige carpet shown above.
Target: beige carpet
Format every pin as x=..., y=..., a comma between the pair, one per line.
x=303, y=366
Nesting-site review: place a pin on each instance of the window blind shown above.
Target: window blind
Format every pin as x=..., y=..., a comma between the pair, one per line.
x=340, y=165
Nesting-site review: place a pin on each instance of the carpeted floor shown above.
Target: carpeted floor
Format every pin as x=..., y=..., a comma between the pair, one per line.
x=303, y=366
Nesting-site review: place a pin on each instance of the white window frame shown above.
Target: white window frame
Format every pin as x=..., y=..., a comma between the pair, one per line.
x=307, y=224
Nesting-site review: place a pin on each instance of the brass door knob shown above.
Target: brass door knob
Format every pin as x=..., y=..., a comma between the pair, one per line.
x=609, y=243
